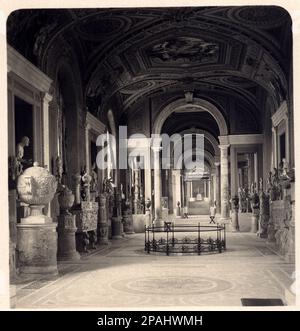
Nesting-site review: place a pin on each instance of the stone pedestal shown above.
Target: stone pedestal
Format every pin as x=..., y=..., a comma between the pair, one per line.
x=128, y=222
x=235, y=221
x=178, y=212
x=254, y=220
x=66, y=238
x=86, y=223
x=116, y=227
x=148, y=218
x=37, y=248
x=164, y=214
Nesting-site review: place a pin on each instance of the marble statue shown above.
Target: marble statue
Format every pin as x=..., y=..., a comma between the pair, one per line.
x=86, y=181
x=20, y=154
x=94, y=179
x=107, y=186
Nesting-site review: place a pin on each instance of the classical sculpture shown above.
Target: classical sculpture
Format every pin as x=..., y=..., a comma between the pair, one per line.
x=107, y=186
x=148, y=204
x=20, y=154
x=94, y=179
x=86, y=181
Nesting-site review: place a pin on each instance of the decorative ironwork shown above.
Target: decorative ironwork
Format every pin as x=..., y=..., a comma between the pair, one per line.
x=181, y=239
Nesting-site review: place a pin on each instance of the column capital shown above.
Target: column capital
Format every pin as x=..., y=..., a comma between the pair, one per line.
x=47, y=97
x=224, y=140
x=223, y=146
x=156, y=149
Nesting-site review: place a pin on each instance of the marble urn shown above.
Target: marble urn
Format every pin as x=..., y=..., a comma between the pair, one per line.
x=37, y=235
x=36, y=187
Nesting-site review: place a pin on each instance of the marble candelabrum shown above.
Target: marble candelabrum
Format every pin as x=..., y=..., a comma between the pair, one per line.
x=255, y=212
x=66, y=227
x=37, y=236
x=102, y=230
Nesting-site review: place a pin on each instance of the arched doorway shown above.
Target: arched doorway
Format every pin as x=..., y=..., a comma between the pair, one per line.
x=205, y=119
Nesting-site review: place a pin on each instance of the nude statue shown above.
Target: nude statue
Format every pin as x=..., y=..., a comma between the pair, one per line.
x=20, y=153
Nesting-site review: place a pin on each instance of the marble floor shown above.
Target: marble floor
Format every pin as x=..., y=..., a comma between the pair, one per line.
x=123, y=275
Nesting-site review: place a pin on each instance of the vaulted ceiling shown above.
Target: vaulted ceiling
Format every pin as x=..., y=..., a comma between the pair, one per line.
x=130, y=54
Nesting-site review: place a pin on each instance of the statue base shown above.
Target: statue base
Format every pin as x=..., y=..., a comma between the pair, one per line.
x=159, y=223
x=40, y=258
x=234, y=225
x=116, y=228
x=103, y=234
x=66, y=238
x=254, y=221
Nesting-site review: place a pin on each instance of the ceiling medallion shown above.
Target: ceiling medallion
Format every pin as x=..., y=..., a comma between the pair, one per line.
x=184, y=50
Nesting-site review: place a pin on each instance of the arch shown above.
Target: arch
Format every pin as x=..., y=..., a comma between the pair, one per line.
x=214, y=142
x=197, y=103
x=111, y=122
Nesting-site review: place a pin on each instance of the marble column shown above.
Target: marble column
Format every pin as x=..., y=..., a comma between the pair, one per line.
x=136, y=190
x=217, y=186
x=46, y=142
x=234, y=178
x=250, y=170
x=157, y=185
x=255, y=169
x=287, y=139
x=87, y=148
x=275, y=151
x=224, y=183
x=176, y=188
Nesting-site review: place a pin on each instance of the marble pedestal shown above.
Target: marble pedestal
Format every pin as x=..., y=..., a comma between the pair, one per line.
x=160, y=224
x=128, y=223
x=37, y=246
x=178, y=212
x=235, y=221
x=66, y=238
x=148, y=218
x=103, y=233
x=116, y=227
x=164, y=214
x=254, y=220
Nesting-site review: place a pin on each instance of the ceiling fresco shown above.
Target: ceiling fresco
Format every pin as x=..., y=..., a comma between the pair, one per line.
x=130, y=54
x=184, y=51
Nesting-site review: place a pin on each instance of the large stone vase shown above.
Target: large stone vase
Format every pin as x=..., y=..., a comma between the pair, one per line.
x=37, y=236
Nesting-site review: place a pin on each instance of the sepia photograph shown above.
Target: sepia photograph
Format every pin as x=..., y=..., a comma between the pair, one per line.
x=150, y=157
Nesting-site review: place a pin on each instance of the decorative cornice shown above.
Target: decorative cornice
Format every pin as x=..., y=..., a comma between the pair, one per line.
x=94, y=123
x=27, y=71
x=242, y=139
x=280, y=114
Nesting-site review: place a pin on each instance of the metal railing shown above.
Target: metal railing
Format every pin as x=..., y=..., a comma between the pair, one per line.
x=192, y=239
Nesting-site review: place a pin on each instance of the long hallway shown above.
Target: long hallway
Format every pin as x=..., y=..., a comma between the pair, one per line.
x=123, y=275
